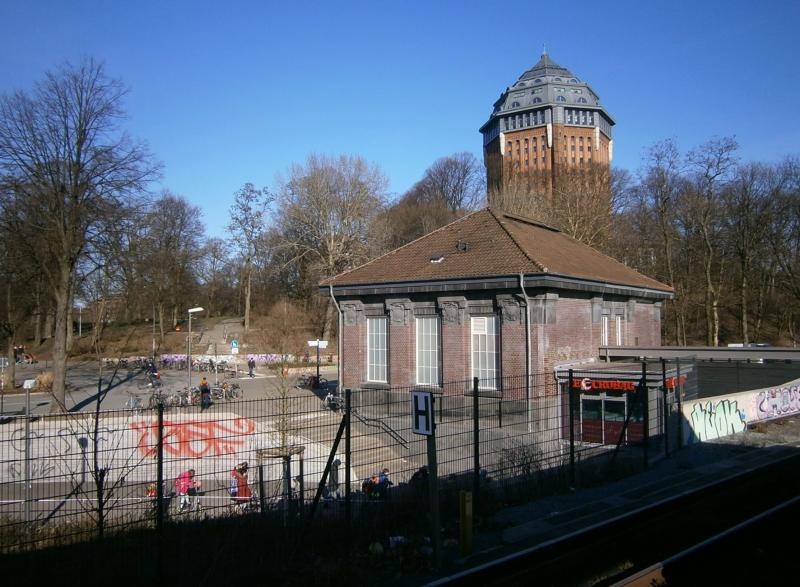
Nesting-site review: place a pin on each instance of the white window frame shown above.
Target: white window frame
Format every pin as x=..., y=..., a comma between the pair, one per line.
x=603, y=330
x=377, y=371
x=427, y=347
x=618, y=321
x=488, y=368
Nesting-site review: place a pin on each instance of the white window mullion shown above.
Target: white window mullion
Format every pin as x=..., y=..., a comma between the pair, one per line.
x=376, y=350
x=427, y=350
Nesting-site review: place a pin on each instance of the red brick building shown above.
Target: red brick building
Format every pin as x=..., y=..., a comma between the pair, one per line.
x=490, y=295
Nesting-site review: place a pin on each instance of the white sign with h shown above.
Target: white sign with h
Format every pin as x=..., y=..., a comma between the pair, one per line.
x=422, y=412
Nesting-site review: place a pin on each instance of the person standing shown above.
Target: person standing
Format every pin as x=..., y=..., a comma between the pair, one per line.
x=205, y=394
x=334, y=490
x=243, y=492
x=251, y=365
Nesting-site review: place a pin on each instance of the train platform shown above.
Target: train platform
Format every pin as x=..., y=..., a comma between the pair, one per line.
x=551, y=518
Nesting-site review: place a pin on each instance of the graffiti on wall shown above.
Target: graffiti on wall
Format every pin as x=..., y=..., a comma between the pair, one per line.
x=716, y=419
x=194, y=438
x=777, y=402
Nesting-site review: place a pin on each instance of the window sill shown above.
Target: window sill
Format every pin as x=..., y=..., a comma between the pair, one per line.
x=374, y=385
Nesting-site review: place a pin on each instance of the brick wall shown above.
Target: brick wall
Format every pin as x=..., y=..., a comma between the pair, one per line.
x=571, y=335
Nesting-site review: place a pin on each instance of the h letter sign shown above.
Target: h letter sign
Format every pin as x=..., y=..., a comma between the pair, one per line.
x=422, y=412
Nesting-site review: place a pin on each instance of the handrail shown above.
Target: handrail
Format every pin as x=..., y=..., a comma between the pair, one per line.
x=381, y=424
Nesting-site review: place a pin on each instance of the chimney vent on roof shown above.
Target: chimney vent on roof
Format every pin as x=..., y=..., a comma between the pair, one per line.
x=462, y=246
x=437, y=259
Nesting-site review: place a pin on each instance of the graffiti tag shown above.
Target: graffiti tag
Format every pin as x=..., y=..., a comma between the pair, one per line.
x=195, y=438
x=778, y=402
x=715, y=421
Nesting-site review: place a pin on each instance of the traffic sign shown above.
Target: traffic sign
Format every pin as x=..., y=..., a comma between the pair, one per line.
x=322, y=344
x=422, y=412
x=234, y=344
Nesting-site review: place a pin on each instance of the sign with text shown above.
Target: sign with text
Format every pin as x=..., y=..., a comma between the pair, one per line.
x=323, y=344
x=422, y=412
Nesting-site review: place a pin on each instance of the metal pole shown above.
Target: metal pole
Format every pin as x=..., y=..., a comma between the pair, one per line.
x=216, y=378
x=154, y=333
x=80, y=321
x=665, y=409
x=28, y=487
x=645, y=417
x=301, y=497
x=571, y=410
x=189, y=351
x=160, y=471
x=348, y=456
x=476, y=461
x=317, y=362
x=433, y=486
x=261, y=497
x=678, y=393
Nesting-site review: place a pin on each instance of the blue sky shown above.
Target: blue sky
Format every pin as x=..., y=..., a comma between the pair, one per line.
x=230, y=92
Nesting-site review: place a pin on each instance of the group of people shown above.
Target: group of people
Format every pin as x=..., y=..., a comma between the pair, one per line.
x=187, y=488
x=376, y=485
x=20, y=356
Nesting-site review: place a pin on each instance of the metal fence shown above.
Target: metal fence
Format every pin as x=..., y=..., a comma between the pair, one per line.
x=82, y=475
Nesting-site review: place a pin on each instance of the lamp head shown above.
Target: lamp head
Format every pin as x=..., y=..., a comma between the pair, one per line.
x=194, y=310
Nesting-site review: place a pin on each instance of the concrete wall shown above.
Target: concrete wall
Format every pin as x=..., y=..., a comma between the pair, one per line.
x=723, y=415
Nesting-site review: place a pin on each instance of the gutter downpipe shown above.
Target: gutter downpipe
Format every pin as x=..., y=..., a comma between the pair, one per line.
x=338, y=339
x=527, y=350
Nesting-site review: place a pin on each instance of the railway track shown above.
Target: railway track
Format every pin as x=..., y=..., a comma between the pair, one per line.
x=675, y=533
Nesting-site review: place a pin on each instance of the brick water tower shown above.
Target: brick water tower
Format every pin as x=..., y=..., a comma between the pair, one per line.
x=548, y=123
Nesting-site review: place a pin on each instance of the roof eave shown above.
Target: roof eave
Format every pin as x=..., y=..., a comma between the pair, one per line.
x=533, y=280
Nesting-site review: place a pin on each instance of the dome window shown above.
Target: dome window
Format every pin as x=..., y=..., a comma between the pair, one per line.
x=558, y=79
x=574, y=81
x=561, y=99
x=582, y=100
x=515, y=104
x=538, y=80
x=536, y=100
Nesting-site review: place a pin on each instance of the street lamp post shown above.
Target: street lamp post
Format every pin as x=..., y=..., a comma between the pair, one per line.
x=189, y=353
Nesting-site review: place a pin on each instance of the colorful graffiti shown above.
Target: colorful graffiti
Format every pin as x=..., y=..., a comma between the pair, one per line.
x=776, y=402
x=717, y=419
x=194, y=438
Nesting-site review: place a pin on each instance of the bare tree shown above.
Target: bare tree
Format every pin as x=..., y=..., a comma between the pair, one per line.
x=660, y=185
x=456, y=182
x=172, y=245
x=325, y=208
x=247, y=225
x=711, y=164
x=71, y=169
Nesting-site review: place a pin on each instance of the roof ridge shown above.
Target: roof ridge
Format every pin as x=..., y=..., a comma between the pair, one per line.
x=329, y=280
x=511, y=236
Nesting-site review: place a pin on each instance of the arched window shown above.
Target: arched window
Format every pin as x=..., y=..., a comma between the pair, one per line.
x=558, y=79
x=538, y=80
x=536, y=100
x=581, y=100
x=574, y=81
x=515, y=104
x=561, y=99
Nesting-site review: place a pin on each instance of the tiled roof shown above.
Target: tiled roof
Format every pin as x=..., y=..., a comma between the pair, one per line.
x=489, y=243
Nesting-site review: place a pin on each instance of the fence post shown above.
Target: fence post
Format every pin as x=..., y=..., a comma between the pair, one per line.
x=665, y=410
x=476, y=446
x=571, y=431
x=262, y=500
x=433, y=491
x=160, y=471
x=347, y=480
x=645, y=417
x=678, y=392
